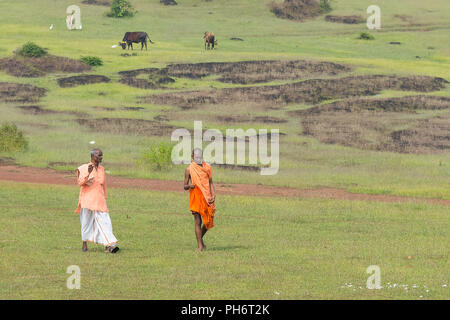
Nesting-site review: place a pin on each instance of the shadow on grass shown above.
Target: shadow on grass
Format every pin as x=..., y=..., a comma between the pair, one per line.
x=226, y=248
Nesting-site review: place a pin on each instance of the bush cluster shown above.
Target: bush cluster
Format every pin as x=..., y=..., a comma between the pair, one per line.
x=366, y=36
x=158, y=156
x=32, y=50
x=12, y=139
x=92, y=61
x=120, y=9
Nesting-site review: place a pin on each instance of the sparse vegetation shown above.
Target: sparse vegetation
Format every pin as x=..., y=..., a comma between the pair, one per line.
x=12, y=139
x=158, y=156
x=92, y=61
x=325, y=6
x=31, y=50
x=121, y=9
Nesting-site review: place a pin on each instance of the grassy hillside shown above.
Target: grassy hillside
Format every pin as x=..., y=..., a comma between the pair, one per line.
x=58, y=140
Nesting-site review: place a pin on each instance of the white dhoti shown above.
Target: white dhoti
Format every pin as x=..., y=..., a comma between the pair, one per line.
x=96, y=227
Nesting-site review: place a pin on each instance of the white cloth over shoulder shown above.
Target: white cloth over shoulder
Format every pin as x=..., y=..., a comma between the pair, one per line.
x=96, y=227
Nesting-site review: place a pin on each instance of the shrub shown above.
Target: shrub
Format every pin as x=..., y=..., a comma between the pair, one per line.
x=366, y=36
x=12, y=139
x=31, y=49
x=325, y=6
x=295, y=9
x=120, y=9
x=92, y=61
x=158, y=156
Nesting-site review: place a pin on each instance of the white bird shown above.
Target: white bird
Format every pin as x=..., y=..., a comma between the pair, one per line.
x=114, y=46
x=81, y=27
x=51, y=26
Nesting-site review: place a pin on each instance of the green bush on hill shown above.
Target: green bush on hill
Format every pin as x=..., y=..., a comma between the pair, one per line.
x=12, y=139
x=325, y=6
x=32, y=50
x=92, y=61
x=120, y=9
x=366, y=36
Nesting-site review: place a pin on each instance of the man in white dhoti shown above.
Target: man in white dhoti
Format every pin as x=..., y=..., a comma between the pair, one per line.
x=94, y=217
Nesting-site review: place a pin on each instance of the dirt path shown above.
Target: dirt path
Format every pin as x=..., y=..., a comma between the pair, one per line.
x=11, y=172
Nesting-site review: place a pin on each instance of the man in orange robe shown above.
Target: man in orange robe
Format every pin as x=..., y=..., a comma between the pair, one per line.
x=96, y=224
x=201, y=195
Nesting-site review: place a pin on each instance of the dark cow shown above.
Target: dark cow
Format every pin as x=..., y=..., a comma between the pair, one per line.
x=209, y=39
x=135, y=37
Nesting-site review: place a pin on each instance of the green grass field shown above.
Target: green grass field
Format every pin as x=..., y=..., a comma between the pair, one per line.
x=301, y=249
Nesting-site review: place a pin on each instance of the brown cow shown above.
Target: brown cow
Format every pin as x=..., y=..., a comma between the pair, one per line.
x=209, y=39
x=136, y=37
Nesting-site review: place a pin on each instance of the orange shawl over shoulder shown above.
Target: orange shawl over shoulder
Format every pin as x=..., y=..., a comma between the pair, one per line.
x=92, y=192
x=198, y=196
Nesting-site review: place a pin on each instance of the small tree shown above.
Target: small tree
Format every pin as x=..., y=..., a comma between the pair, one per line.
x=120, y=9
x=158, y=156
x=12, y=139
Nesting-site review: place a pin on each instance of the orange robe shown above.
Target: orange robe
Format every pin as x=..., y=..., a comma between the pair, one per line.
x=198, y=196
x=92, y=194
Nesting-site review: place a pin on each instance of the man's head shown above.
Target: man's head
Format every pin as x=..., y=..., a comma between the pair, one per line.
x=96, y=156
x=197, y=155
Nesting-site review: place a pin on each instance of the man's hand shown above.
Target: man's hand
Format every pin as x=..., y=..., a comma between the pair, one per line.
x=212, y=199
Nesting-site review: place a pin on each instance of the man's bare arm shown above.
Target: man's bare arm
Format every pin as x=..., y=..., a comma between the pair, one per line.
x=187, y=177
x=212, y=190
x=81, y=180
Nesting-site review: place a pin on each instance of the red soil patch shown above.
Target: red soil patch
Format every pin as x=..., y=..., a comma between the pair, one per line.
x=10, y=172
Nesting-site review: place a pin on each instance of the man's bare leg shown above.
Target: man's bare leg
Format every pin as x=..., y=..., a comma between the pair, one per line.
x=203, y=233
x=84, y=248
x=199, y=232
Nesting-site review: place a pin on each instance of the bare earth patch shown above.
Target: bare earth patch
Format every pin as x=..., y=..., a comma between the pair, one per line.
x=21, y=93
x=247, y=72
x=247, y=119
x=98, y=2
x=155, y=78
x=35, y=110
x=10, y=172
x=19, y=66
x=81, y=80
x=345, y=19
x=309, y=91
x=425, y=136
x=127, y=126
x=389, y=124
x=298, y=10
